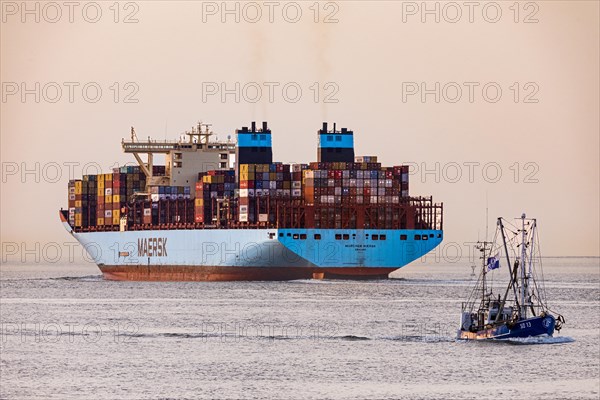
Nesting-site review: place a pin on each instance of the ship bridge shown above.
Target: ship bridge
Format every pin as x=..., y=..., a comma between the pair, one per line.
x=183, y=158
x=156, y=147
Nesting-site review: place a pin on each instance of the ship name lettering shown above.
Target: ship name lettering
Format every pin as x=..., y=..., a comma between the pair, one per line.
x=152, y=247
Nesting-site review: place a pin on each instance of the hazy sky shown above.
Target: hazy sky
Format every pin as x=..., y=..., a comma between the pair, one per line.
x=492, y=89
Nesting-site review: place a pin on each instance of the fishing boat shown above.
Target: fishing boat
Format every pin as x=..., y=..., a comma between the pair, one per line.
x=519, y=309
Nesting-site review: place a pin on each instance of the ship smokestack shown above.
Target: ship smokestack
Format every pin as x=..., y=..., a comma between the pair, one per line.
x=254, y=148
x=335, y=146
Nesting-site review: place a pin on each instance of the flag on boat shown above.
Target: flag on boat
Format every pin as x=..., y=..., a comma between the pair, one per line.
x=493, y=262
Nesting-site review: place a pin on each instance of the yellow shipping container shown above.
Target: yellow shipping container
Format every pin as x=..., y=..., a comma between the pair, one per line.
x=116, y=198
x=199, y=202
x=116, y=220
x=247, y=176
x=108, y=199
x=100, y=221
x=116, y=213
x=108, y=177
x=244, y=167
x=78, y=203
x=100, y=191
x=77, y=219
x=206, y=179
x=101, y=186
x=78, y=187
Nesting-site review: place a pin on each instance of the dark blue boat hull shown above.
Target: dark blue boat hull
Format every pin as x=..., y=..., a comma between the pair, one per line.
x=535, y=326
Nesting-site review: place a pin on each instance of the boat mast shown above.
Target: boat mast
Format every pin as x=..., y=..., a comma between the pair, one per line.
x=523, y=266
x=533, y=233
x=512, y=277
x=504, y=242
x=530, y=272
x=483, y=272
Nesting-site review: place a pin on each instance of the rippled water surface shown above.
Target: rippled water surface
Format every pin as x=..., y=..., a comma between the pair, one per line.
x=69, y=334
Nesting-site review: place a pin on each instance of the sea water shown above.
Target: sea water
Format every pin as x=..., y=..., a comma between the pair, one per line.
x=69, y=334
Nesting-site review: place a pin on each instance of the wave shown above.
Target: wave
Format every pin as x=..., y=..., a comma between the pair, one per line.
x=543, y=339
x=238, y=336
x=85, y=278
x=350, y=337
x=420, y=338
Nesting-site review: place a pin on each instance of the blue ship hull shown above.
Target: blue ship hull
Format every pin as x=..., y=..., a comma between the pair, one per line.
x=254, y=254
x=535, y=326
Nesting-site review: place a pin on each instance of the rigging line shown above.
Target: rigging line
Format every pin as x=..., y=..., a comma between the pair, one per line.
x=539, y=250
x=486, y=215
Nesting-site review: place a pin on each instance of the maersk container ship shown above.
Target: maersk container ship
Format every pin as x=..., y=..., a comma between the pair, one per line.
x=221, y=210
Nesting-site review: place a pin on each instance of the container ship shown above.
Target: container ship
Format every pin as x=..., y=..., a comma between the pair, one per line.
x=224, y=210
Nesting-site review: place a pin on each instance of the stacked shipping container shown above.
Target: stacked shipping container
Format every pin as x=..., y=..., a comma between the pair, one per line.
x=213, y=186
x=97, y=200
x=337, y=194
x=361, y=194
x=354, y=183
x=261, y=183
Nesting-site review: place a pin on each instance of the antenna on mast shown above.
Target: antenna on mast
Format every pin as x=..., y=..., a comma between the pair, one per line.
x=486, y=215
